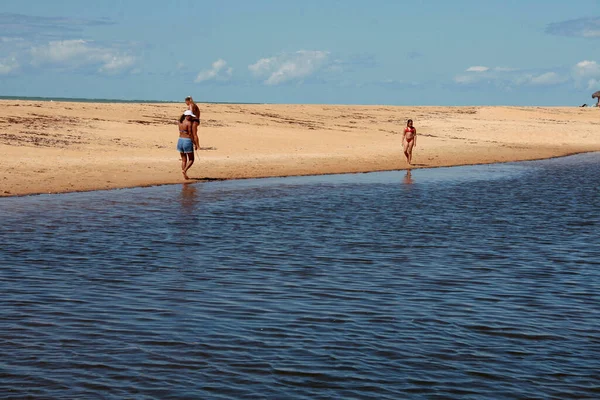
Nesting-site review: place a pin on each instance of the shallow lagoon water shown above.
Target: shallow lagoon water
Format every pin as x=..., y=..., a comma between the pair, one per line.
x=465, y=282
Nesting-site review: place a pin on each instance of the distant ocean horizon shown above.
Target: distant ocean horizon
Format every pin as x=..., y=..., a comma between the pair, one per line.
x=99, y=100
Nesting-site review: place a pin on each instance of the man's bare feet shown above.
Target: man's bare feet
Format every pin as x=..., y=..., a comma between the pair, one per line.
x=185, y=175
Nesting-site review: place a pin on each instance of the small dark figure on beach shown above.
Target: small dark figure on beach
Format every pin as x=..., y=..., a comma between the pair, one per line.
x=409, y=140
x=193, y=107
x=186, y=142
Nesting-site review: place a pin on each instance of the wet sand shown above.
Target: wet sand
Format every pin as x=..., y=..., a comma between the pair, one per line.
x=57, y=147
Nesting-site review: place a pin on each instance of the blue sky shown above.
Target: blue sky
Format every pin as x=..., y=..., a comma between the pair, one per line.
x=419, y=52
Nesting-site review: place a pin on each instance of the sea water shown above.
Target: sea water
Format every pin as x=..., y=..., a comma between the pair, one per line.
x=466, y=282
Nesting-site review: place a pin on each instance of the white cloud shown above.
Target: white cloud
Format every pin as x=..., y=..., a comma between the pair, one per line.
x=79, y=53
x=8, y=65
x=288, y=67
x=508, y=78
x=593, y=84
x=584, y=74
x=473, y=75
x=61, y=51
x=262, y=66
x=591, y=33
x=116, y=63
x=587, y=73
x=505, y=69
x=477, y=68
x=219, y=71
x=587, y=68
x=548, y=78
x=588, y=27
x=466, y=79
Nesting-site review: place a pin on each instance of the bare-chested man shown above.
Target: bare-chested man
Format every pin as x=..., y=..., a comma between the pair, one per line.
x=193, y=107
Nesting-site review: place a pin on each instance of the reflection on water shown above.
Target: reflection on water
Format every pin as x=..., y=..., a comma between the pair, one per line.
x=189, y=196
x=408, y=177
x=309, y=287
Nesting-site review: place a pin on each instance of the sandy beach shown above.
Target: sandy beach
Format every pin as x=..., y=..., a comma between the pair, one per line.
x=57, y=147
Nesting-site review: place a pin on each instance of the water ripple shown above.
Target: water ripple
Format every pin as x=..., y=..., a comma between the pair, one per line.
x=471, y=282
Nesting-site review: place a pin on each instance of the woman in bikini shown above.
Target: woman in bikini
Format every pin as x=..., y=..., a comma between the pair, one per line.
x=409, y=140
x=186, y=142
x=193, y=107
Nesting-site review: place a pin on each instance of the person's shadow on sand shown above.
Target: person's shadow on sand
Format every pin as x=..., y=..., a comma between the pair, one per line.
x=203, y=179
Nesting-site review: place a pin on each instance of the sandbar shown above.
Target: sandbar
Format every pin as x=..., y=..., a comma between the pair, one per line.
x=59, y=147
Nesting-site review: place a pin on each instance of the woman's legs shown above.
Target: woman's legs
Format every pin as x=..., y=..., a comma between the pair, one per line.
x=190, y=162
x=408, y=151
x=187, y=160
x=183, y=160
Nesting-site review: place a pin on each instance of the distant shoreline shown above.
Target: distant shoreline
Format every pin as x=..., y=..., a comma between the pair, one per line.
x=105, y=101
x=123, y=101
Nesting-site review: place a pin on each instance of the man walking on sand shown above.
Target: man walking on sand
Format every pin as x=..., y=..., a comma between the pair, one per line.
x=193, y=107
